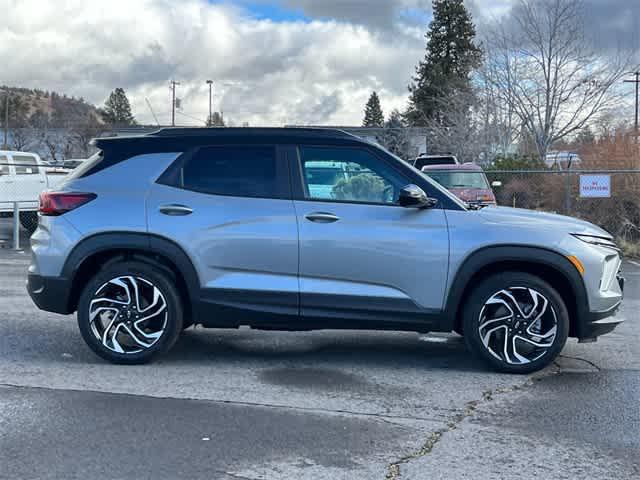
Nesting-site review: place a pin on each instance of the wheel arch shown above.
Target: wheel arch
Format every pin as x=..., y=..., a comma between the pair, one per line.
x=551, y=266
x=96, y=251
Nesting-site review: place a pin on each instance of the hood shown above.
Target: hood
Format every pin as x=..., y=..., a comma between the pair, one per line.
x=473, y=194
x=519, y=216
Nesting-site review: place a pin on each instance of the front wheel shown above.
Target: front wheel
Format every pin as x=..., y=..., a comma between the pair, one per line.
x=515, y=322
x=130, y=312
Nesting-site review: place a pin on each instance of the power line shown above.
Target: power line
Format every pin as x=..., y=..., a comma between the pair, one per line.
x=189, y=116
x=152, y=112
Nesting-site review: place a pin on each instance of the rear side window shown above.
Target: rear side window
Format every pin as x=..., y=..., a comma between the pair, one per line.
x=25, y=165
x=87, y=167
x=242, y=171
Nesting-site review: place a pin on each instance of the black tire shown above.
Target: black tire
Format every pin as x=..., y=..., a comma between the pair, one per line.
x=170, y=319
x=508, y=334
x=29, y=221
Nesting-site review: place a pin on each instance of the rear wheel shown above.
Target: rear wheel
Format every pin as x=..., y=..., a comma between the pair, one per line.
x=130, y=312
x=515, y=322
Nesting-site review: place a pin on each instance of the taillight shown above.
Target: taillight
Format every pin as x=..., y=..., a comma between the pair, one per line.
x=56, y=203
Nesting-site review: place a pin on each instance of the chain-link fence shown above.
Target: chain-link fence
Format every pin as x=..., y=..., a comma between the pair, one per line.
x=22, y=179
x=608, y=198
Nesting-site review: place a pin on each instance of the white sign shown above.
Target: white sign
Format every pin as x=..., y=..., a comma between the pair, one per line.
x=595, y=186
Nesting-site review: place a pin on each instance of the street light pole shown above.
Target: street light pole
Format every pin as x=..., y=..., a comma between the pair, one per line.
x=210, y=119
x=6, y=120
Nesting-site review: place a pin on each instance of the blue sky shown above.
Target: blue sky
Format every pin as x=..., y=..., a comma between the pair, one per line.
x=275, y=11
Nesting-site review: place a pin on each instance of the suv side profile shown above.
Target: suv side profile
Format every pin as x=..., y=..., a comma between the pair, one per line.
x=231, y=227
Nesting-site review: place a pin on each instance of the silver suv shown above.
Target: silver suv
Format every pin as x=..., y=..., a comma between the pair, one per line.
x=302, y=229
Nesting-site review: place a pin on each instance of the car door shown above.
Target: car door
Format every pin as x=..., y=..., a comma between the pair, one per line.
x=230, y=209
x=362, y=256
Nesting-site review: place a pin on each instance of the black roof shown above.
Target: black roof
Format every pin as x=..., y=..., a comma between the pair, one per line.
x=247, y=131
x=202, y=135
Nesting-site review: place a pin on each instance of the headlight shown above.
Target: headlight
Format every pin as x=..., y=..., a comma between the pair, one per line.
x=595, y=240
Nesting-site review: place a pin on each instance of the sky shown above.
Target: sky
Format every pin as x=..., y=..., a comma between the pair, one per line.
x=273, y=62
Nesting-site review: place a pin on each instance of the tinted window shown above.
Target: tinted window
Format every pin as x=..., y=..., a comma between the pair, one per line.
x=237, y=171
x=349, y=174
x=4, y=165
x=25, y=165
x=424, y=161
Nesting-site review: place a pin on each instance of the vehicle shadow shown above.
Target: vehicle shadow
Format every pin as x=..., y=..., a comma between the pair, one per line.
x=327, y=348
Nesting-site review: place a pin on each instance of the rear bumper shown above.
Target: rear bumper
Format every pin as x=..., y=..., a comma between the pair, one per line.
x=51, y=294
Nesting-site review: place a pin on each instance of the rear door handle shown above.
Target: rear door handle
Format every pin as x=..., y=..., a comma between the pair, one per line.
x=175, y=210
x=321, y=217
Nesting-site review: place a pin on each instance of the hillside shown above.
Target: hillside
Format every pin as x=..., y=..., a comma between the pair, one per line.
x=39, y=108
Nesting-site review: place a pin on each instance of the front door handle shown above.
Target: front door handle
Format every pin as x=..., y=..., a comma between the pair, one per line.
x=321, y=217
x=175, y=210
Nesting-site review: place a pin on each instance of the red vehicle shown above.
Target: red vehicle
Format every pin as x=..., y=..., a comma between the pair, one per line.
x=466, y=181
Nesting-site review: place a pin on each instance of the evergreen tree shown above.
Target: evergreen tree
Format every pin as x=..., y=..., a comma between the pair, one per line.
x=450, y=58
x=117, y=110
x=395, y=137
x=373, y=116
x=215, y=120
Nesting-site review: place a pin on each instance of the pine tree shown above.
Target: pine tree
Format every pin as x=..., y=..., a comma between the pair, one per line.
x=373, y=116
x=215, y=120
x=117, y=109
x=450, y=58
x=395, y=137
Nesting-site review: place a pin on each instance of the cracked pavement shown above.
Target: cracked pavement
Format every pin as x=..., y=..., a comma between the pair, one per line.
x=243, y=404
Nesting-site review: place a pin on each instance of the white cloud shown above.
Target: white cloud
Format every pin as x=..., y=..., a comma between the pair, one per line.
x=266, y=73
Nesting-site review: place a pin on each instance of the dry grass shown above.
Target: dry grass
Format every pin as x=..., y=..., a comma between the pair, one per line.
x=629, y=249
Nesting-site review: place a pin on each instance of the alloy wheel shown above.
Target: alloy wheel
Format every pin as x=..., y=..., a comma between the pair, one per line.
x=128, y=314
x=518, y=325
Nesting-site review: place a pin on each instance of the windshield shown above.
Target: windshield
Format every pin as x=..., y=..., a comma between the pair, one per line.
x=455, y=179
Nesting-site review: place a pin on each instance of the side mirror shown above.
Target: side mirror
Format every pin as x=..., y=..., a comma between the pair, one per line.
x=496, y=183
x=413, y=196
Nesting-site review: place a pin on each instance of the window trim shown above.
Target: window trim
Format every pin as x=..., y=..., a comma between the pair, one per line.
x=173, y=175
x=300, y=194
x=12, y=163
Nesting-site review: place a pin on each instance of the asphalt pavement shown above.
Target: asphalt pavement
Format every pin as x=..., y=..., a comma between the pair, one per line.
x=245, y=404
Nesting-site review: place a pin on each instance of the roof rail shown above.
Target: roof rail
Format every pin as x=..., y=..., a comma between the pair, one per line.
x=230, y=131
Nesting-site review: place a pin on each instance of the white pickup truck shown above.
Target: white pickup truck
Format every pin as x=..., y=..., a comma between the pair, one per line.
x=23, y=176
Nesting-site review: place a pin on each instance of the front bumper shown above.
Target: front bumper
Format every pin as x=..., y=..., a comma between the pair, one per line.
x=599, y=323
x=52, y=294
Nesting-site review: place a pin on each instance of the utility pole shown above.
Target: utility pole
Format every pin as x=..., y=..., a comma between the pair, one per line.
x=173, y=102
x=6, y=120
x=637, y=82
x=210, y=119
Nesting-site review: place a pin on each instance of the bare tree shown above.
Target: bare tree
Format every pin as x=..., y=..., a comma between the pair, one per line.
x=458, y=128
x=546, y=71
x=22, y=138
x=83, y=133
x=500, y=127
x=52, y=143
